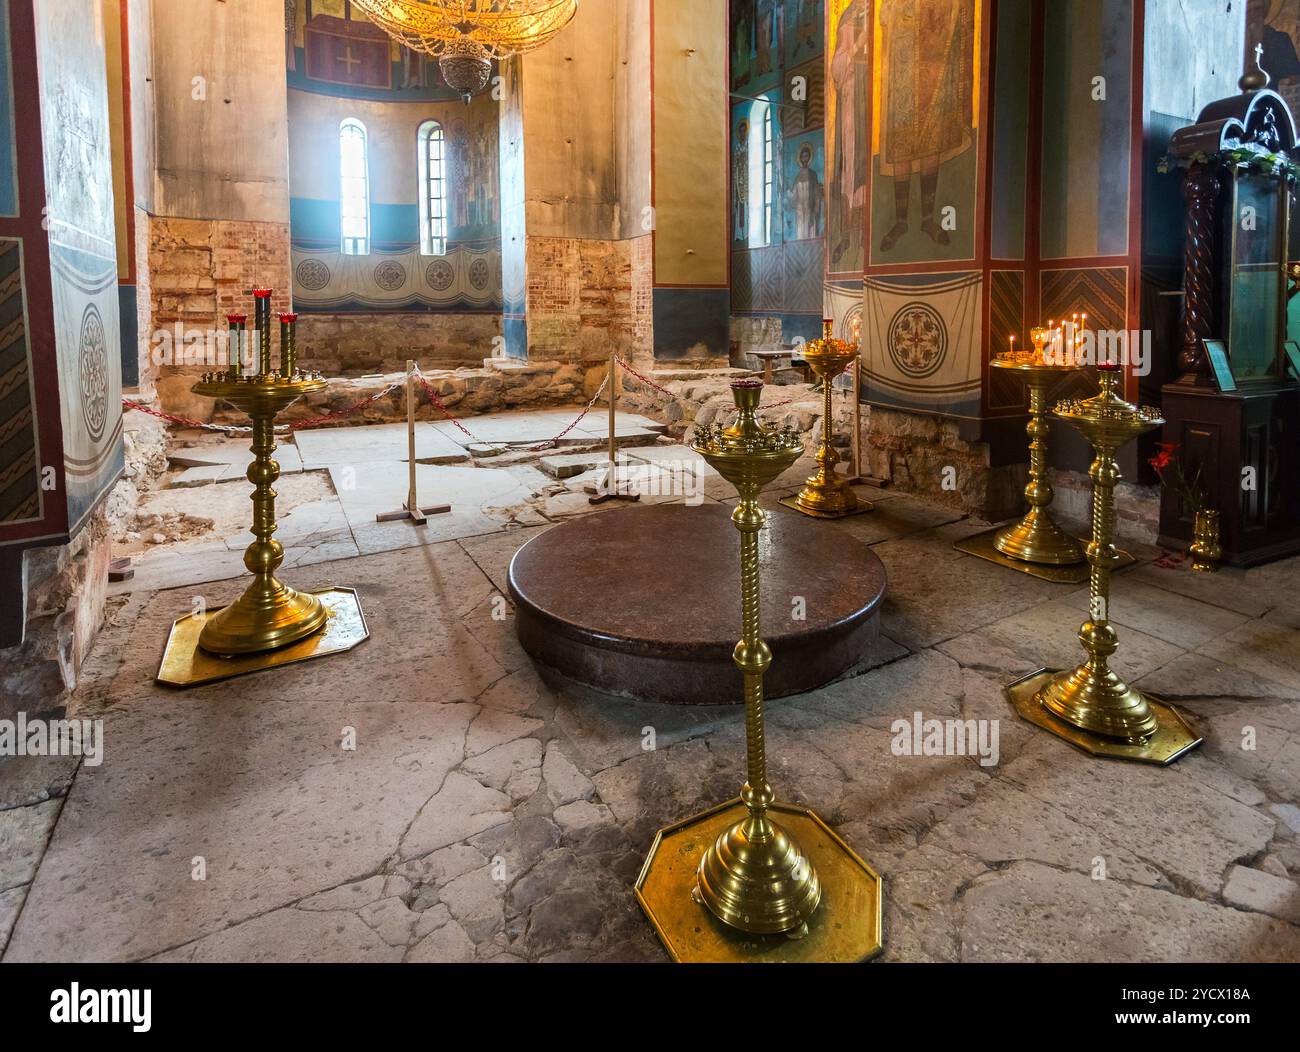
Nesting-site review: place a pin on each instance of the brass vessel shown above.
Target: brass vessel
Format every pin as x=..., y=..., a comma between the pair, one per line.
x=827, y=494
x=1206, y=550
x=756, y=877
x=1091, y=706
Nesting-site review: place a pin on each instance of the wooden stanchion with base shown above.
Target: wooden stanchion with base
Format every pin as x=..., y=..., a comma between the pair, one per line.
x=608, y=488
x=412, y=509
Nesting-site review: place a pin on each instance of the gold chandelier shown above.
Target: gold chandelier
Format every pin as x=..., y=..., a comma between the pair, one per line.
x=466, y=35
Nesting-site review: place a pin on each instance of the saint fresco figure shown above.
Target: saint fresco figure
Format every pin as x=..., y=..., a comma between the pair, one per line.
x=927, y=80
x=806, y=198
x=848, y=168
x=740, y=184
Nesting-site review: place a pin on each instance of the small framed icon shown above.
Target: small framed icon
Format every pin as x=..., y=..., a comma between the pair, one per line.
x=1217, y=352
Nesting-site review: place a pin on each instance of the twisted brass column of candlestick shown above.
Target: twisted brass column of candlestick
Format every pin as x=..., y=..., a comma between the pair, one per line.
x=761, y=874
x=1091, y=706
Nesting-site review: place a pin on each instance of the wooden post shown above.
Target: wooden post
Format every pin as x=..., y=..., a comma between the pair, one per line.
x=610, y=491
x=411, y=509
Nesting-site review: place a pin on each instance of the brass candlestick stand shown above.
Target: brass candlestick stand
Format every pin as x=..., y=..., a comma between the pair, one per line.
x=781, y=890
x=827, y=494
x=261, y=628
x=1091, y=707
x=1036, y=545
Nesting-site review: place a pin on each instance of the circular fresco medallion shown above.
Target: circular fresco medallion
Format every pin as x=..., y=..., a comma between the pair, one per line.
x=312, y=275
x=390, y=275
x=439, y=275
x=478, y=274
x=918, y=340
x=92, y=367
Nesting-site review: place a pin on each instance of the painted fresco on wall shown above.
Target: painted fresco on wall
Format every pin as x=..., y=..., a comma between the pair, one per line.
x=740, y=172
x=922, y=342
x=20, y=492
x=777, y=246
x=333, y=49
x=803, y=30
x=805, y=191
x=464, y=280
x=924, y=91
x=1087, y=147
x=83, y=250
x=756, y=34
x=847, y=93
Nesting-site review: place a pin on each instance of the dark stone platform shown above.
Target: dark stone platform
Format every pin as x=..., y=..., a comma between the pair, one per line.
x=645, y=602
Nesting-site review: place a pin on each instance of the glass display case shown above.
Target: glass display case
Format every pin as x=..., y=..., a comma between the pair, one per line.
x=1237, y=423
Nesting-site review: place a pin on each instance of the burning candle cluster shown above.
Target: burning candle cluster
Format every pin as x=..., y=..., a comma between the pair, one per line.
x=1053, y=344
x=239, y=349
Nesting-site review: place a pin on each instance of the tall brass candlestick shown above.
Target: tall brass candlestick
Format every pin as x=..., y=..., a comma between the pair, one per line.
x=269, y=614
x=1037, y=538
x=755, y=877
x=262, y=320
x=1091, y=706
x=827, y=494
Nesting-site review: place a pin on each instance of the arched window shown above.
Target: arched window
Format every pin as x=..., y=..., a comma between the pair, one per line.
x=762, y=149
x=433, y=189
x=354, y=189
x=769, y=172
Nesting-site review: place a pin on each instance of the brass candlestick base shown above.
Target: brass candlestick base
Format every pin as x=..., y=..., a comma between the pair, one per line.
x=1092, y=702
x=269, y=614
x=1172, y=737
x=827, y=494
x=755, y=877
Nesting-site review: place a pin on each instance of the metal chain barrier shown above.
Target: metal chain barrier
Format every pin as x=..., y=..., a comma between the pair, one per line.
x=434, y=399
x=663, y=390
x=548, y=444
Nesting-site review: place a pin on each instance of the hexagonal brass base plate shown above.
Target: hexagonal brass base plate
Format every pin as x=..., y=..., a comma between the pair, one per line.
x=863, y=506
x=1172, y=739
x=845, y=928
x=184, y=664
x=980, y=545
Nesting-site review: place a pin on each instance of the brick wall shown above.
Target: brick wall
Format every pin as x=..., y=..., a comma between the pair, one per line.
x=196, y=271
x=586, y=297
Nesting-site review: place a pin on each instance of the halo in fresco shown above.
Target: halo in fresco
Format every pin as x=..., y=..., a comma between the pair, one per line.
x=313, y=274
x=92, y=357
x=918, y=339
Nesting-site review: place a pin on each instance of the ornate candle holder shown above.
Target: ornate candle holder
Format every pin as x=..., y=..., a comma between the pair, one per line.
x=1091, y=707
x=827, y=494
x=1036, y=545
x=761, y=877
x=262, y=627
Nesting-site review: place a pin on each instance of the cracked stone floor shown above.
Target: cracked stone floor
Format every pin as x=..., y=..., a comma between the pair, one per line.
x=489, y=813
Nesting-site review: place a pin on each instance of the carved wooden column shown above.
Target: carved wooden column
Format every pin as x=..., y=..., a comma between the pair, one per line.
x=1200, y=193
